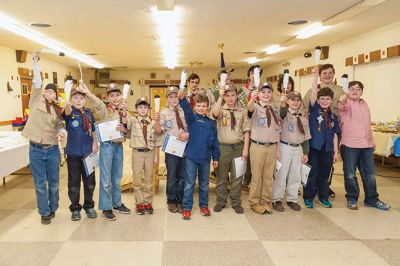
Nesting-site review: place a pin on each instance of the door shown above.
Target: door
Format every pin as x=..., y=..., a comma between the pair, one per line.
x=26, y=86
x=158, y=91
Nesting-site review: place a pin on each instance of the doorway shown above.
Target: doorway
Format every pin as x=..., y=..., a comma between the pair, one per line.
x=26, y=87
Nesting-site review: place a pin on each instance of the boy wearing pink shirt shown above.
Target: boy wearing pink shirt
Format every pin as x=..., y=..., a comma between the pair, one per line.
x=357, y=148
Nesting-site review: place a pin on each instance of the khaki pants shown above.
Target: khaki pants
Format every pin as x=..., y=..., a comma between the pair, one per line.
x=263, y=159
x=142, y=162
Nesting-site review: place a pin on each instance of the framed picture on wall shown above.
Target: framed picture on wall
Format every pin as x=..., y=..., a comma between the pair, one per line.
x=55, y=78
x=24, y=88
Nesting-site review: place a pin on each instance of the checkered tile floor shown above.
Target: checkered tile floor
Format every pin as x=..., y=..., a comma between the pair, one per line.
x=320, y=236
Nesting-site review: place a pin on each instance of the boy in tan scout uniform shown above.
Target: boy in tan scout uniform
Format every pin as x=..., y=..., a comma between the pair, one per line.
x=172, y=121
x=111, y=152
x=43, y=129
x=293, y=151
x=144, y=143
x=233, y=137
x=264, y=149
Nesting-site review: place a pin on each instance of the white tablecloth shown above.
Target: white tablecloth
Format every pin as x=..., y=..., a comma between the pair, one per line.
x=14, y=152
x=384, y=143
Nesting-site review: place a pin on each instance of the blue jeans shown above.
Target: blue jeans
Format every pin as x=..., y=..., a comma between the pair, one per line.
x=203, y=171
x=45, y=168
x=175, y=178
x=110, y=163
x=321, y=163
x=363, y=159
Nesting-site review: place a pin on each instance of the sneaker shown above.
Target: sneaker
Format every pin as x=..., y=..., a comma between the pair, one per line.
x=186, y=214
x=258, y=209
x=331, y=193
x=352, y=205
x=325, y=203
x=149, y=208
x=91, y=213
x=294, y=206
x=140, y=209
x=172, y=207
x=123, y=209
x=75, y=216
x=238, y=209
x=46, y=219
x=205, y=211
x=309, y=203
x=218, y=207
x=278, y=206
x=179, y=206
x=379, y=205
x=109, y=215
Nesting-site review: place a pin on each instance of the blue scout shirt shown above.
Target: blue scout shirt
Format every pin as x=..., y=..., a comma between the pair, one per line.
x=203, y=139
x=321, y=135
x=79, y=142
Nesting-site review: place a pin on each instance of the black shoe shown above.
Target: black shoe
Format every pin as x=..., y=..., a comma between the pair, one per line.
x=52, y=215
x=331, y=193
x=218, y=207
x=123, y=209
x=238, y=209
x=109, y=215
x=46, y=219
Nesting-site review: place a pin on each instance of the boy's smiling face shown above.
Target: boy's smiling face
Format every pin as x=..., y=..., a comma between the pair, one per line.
x=78, y=101
x=201, y=108
x=294, y=104
x=142, y=109
x=265, y=95
x=173, y=100
x=325, y=101
x=114, y=98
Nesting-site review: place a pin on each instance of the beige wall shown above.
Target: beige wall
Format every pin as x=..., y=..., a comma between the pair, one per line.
x=380, y=78
x=10, y=101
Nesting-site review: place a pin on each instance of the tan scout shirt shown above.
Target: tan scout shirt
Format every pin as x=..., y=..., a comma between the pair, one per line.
x=225, y=134
x=168, y=121
x=259, y=127
x=290, y=131
x=337, y=92
x=41, y=127
x=104, y=112
x=135, y=130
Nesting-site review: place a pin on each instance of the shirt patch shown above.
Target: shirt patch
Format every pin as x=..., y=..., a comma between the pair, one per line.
x=75, y=123
x=261, y=121
x=291, y=127
x=168, y=124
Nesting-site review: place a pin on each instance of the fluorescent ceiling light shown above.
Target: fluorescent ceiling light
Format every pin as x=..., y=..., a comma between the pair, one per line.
x=273, y=49
x=311, y=31
x=14, y=27
x=167, y=24
x=253, y=60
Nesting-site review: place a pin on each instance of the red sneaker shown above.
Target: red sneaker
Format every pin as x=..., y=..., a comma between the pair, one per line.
x=186, y=215
x=148, y=208
x=139, y=209
x=205, y=211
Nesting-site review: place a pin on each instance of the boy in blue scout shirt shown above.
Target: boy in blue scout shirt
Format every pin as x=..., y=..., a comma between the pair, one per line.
x=324, y=128
x=81, y=142
x=202, y=145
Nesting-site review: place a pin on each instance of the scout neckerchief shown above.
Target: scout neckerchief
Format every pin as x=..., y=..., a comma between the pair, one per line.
x=144, y=123
x=178, y=118
x=57, y=108
x=324, y=115
x=87, y=126
x=299, y=123
x=268, y=112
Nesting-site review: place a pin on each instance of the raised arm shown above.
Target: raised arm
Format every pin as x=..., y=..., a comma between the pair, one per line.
x=314, y=88
x=187, y=109
x=37, y=80
x=98, y=105
x=252, y=101
x=216, y=110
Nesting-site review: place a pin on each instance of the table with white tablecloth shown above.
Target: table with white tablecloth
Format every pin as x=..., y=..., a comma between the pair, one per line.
x=14, y=152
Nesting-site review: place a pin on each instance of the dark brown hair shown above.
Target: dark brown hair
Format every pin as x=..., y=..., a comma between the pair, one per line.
x=280, y=83
x=354, y=82
x=325, y=67
x=325, y=91
x=193, y=76
x=201, y=98
x=251, y=70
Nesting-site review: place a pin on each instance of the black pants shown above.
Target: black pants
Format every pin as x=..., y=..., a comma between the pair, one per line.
x=76, y=171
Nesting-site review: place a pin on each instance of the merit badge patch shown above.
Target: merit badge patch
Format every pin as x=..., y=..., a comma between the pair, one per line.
x=168, y=124
x=291, y=127
x=261, y=121
x=75, y=123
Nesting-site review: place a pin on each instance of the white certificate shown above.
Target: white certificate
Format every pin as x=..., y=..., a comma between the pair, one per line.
x=240, y=166
x=174, y=146
x=91, y=162
x=305, y=170
x=108, y=130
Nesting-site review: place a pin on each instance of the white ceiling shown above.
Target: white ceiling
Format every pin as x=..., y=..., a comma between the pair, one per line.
x=123, y=32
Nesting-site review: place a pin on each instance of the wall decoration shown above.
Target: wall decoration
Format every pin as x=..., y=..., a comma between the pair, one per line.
x=55, y=81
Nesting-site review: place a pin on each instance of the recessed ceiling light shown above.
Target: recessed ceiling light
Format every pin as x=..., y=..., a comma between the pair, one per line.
x=297, y=22
x=249, y=52
x=40, y=25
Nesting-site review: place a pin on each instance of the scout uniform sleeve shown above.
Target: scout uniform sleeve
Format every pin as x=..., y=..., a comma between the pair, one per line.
x=187, y=110
x=162, y=120
x=98, y=106
x=246, y=121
